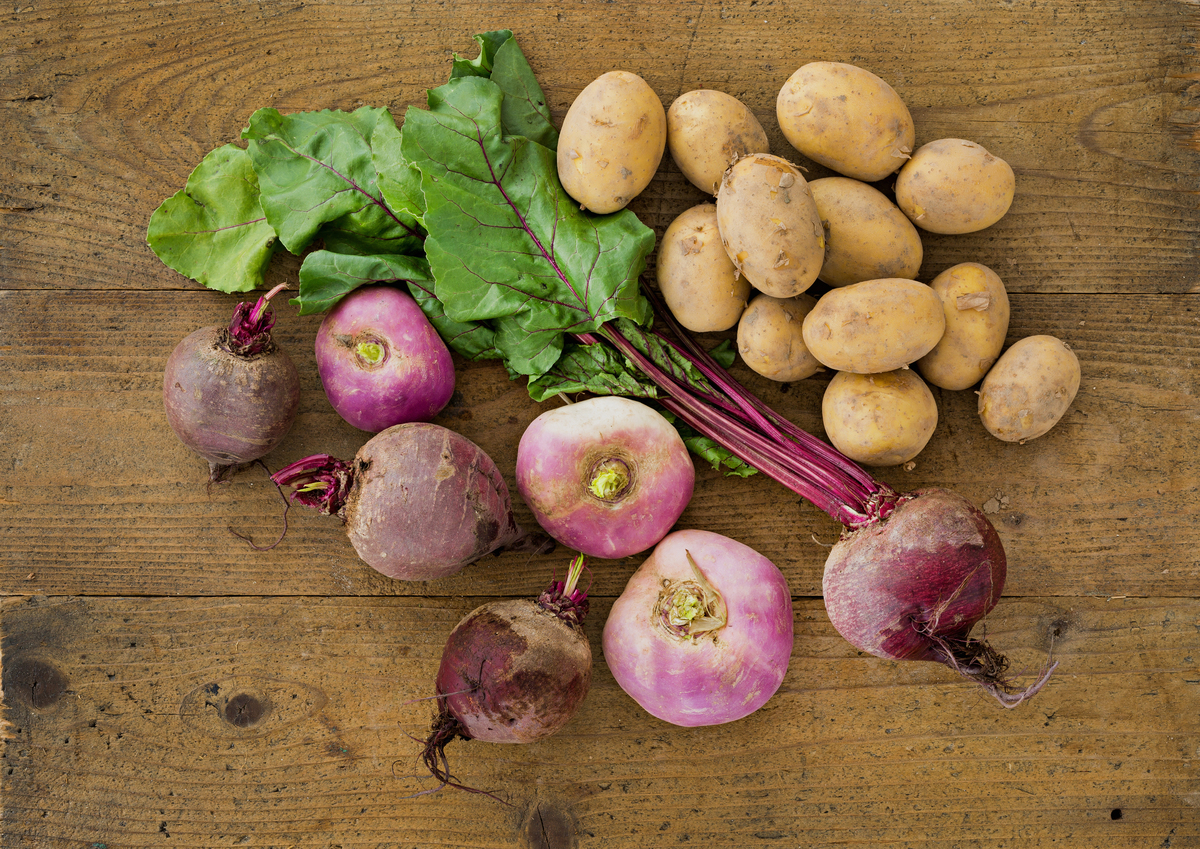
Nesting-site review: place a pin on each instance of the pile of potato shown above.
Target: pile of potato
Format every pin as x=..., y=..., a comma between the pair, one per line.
x=748, y=259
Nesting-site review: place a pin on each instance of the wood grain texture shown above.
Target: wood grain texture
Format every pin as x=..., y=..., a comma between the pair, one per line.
x=279, y=722
x=163, y=685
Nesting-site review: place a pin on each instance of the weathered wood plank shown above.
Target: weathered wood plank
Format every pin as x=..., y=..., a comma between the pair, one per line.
x=100, y=497
x=283, y=722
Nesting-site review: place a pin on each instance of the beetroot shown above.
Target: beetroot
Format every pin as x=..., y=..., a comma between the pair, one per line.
x=912, y=585
x=380, y=360
x=512, y=671
x=230, y=393
x=419, y=501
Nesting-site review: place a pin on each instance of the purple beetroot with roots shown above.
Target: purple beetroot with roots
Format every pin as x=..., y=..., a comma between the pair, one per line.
x=608, y=476
x=512, y=671
x=380, y=360
x=913, y=586
x=230, y=393
x=419, y=501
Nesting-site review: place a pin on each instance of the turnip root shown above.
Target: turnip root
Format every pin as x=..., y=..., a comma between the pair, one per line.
x=512, y=671
x=380, y=360
x=702, y=634
x=230, y=393
x=419, y=501
x=608, y=476
x=912, y=585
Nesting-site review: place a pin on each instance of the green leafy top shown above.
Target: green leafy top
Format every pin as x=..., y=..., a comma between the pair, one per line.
x=462, y=203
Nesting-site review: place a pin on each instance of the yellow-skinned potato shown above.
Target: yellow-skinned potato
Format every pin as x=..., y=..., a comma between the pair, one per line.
x=612, y=140
x=879, y=419
x=696, y=277
x=770, y=224
x=846, y=118
x=770, y=337
x=707, y=130
x=975, y=304
x=954, y=186
x=874, y=326
x=867, y=236
x=1029, y=388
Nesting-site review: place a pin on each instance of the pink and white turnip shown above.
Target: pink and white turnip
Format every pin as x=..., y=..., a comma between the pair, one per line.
x=608, y=476
x=380, y=360
x=419, y=501
x=230, y=393
x=702, y=633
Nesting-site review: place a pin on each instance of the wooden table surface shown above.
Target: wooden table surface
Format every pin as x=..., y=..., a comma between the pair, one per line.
x=166, y=686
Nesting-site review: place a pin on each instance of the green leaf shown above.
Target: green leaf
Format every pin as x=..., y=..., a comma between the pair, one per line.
x=724, y=352
x=326, y=276
x=524, y=111
x=471, y=339
x=481, y=65
x=315, y=168
x=399, y=179
x=505, y=240
x=595, y=369
x=214, y=231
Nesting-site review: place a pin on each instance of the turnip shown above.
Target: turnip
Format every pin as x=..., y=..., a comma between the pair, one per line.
x=607, y=476
x=230, y=393
x=380, y=360
x=512, y=671
x=702, y=633
x=419, y=501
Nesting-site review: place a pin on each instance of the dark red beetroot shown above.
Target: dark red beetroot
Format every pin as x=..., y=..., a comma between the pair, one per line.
x=230, y=393
x=912, y=585
x=512, y=671
x=419, y=501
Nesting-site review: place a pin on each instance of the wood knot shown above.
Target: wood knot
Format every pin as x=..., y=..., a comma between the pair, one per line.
x=35, y=683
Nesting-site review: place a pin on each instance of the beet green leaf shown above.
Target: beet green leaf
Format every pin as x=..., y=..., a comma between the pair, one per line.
x=214, y=230
x=505, y=241
x=316, y=172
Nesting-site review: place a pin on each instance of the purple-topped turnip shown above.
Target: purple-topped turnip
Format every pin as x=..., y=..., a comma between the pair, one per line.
x=380, y=360
x=419, y=501
x=702, y=633
x=608, y=476
x=230, y=393
x=512, y=671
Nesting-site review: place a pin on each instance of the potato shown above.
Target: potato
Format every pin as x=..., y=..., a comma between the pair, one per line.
x=879, y=419
x=975, y=304
x=874, y=326
x=954, y=186
x=770, y=337
x=696, y=277
x=707, y=131
x=867, y=236
x=612, y=141
x=770, y=224
x=846, y=118
x=1029, y=388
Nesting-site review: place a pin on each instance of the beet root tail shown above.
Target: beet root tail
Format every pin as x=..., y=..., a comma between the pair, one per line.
x=446, y=729
x=977, y=661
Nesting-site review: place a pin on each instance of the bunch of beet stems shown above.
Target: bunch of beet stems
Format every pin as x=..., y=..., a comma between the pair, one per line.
x=723, y=410
x=728, y=413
